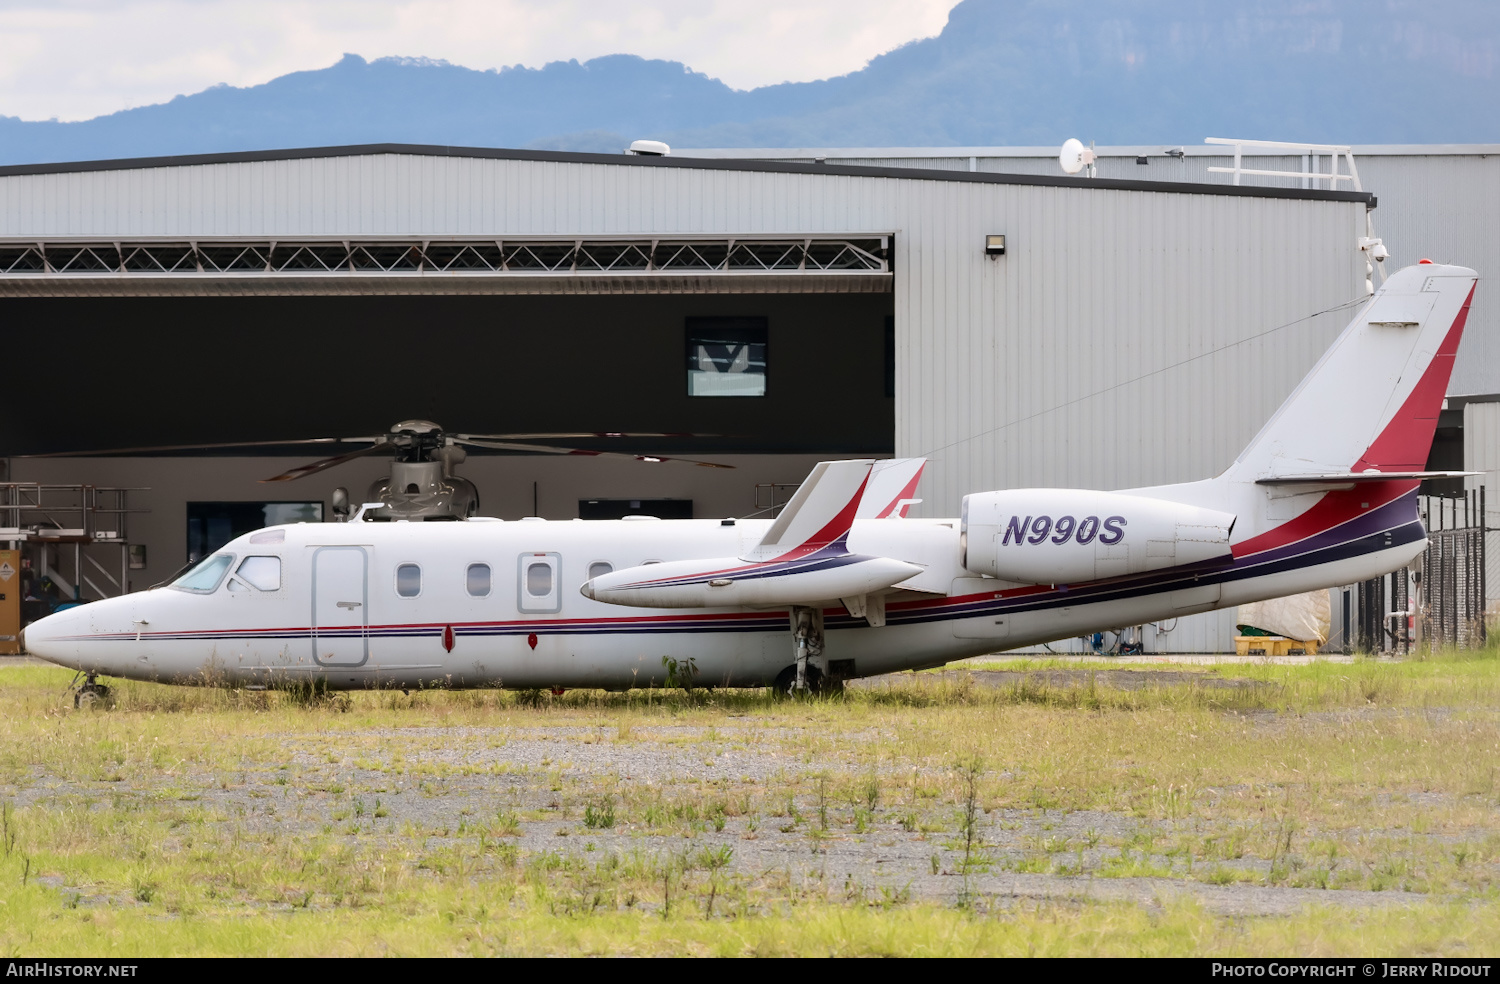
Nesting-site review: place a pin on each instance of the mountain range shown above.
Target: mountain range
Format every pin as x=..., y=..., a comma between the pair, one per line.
x=1002, y=72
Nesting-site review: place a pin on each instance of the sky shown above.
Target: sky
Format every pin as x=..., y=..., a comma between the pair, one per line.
x=73, y=59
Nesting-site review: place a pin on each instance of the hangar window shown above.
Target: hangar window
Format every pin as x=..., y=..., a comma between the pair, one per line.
x=726, y=356
x=261, y=573
x=477, y=580
x=408, y=580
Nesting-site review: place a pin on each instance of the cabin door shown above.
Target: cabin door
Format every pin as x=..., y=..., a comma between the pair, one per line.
x=340, y=606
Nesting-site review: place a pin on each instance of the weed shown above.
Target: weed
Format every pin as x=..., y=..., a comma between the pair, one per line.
x=8, y=829
x=969, y=772
x=680, y=673
x=143, y=889
x=1218, y=875
x=507, y=824
x=599, y=815
x=714, y=858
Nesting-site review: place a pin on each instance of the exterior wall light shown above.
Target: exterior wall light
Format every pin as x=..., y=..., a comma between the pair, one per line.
x=994, y=245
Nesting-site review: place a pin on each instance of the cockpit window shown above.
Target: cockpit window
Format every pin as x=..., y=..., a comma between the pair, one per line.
x=207, y=575
x=260, y=572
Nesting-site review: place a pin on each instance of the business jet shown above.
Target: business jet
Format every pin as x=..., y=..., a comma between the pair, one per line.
x=842, y=584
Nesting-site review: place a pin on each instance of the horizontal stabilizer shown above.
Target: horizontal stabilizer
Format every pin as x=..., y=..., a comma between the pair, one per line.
x=1344, y=478
x=820, y=514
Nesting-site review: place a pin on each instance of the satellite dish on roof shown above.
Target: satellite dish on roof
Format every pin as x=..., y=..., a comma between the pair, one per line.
x=1075, y=157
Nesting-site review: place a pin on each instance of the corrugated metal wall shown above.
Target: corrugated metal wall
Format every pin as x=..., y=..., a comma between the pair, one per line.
x=1127, y=338
x=1442, y=203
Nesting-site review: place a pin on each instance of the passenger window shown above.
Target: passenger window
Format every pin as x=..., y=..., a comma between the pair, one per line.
x=260, y=572
x=539, y=579
x=408, y=580
x=477, y=580
x=599, y=568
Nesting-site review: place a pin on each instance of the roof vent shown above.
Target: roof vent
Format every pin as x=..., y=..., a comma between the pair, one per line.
x=648, y=148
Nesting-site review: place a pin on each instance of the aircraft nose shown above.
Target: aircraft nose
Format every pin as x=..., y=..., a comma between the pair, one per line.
x=49, y=638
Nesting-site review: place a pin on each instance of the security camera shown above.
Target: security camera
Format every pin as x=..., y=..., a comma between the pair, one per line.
x=1375, y=248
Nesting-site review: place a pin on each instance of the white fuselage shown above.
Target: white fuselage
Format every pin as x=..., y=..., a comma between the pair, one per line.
x=513, y=638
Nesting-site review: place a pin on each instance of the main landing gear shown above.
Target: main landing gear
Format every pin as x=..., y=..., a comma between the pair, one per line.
x=90, y=693
x=809, y=672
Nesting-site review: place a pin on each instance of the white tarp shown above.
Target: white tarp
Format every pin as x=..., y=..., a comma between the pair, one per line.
x=1303, y=617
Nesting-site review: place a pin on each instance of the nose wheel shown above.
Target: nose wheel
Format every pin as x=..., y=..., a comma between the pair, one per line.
x=91, y=693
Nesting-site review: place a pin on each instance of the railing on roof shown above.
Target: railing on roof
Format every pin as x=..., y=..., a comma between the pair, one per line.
x=1277, y=148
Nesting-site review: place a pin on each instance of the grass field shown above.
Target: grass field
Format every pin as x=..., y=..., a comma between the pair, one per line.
x=1027, y=808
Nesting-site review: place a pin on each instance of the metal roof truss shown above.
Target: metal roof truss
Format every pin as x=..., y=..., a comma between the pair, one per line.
x=393, y=264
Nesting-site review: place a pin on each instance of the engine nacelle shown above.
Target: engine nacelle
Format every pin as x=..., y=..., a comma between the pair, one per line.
x=1068, y=536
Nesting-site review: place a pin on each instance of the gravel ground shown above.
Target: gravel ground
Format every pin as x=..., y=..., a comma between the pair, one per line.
x=547, y=775
x=422, y=787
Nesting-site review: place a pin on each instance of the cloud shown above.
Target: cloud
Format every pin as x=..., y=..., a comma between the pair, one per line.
x=72, y=59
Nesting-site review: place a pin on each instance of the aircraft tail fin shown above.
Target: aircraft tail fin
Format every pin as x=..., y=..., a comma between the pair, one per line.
x=893, y=482
x=1371, y=403
x=821, y=513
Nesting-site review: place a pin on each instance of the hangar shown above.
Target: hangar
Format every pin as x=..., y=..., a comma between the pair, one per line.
x=760, y=314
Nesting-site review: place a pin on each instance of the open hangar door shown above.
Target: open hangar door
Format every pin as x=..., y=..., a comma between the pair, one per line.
x=164, y=371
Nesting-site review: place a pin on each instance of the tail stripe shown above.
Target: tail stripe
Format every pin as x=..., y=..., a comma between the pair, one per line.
x=1406, y=441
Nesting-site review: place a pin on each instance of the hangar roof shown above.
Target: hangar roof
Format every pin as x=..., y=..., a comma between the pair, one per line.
x=696, y=163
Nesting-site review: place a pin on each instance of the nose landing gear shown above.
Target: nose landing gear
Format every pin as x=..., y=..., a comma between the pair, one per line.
x=91, y=693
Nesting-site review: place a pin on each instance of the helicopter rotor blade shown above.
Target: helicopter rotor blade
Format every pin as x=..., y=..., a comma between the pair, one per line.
x=200, y=447
x=547, y=449
x=575, y=435
x=323, y=464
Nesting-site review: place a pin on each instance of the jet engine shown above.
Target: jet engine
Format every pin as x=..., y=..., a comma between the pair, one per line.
x=1067, y=536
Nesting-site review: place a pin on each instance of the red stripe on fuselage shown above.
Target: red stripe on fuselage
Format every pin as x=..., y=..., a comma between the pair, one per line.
x=1334, y=509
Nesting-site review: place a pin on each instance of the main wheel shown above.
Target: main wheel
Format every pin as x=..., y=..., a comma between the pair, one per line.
x=787, y=679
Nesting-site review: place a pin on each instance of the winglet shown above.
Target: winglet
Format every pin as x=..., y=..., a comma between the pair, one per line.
x=820, y=514
x=893, y=482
